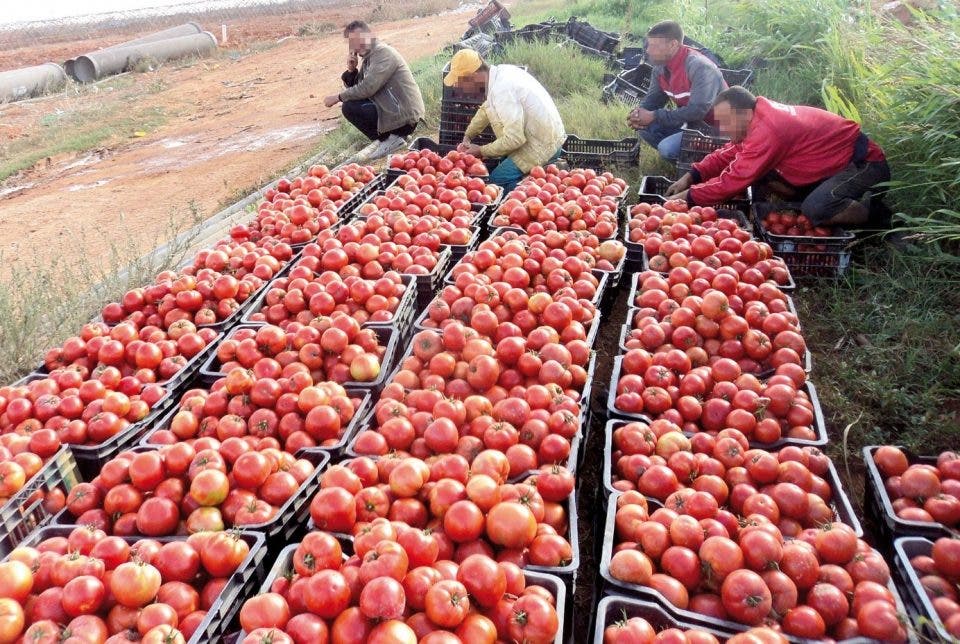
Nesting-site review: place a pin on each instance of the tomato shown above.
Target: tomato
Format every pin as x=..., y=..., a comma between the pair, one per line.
x=447, y=603
x=16, y=580
x=328, y=594
x=511, y=525
x=382, y=598
x=746, y=597
x=533, y=619
x=135, y=584
x=268, y=610
x=83, y=595
x=177, y=561
x=222, y=553
x=12, y=620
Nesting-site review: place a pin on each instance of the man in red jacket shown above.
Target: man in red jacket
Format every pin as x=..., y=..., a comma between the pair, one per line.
x=683, y=76
x=800, y=153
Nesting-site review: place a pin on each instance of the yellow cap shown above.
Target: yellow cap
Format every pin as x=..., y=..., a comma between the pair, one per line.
x=465, y=61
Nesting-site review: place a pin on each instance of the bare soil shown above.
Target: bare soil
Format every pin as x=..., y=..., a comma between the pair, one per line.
x=231, y=123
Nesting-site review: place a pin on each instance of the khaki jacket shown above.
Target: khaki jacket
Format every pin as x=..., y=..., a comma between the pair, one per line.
x=523, y=117
x=385, y=78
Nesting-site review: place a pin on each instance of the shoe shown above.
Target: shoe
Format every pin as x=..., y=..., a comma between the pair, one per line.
x=389, y=145
x=365, y=153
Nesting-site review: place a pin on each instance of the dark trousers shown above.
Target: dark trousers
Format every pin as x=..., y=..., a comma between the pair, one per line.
x=363, y=116
x=821, y=201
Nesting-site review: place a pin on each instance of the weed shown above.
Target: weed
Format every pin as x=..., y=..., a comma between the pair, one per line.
x=42, y=303
x=314, y=29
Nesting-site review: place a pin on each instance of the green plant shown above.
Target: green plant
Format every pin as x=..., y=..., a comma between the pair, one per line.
x=42, y=303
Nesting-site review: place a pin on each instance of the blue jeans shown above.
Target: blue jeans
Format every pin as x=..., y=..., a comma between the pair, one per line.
x=665, y=139
x=508, y=175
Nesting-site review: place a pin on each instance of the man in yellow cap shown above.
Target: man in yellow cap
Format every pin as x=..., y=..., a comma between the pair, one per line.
x=524, y=118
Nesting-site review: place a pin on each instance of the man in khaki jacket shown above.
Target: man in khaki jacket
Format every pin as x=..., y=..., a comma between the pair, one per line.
x=381, y=98
x=524, y=118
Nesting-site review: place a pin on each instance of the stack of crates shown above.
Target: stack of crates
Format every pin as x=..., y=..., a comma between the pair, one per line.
x=457, y=109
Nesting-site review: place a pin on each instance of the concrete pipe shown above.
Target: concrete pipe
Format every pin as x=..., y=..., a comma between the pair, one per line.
x=18, y=84
x=186, y=29
x=100, y=64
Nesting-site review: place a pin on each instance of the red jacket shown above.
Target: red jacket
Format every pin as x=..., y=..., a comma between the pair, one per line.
x=692, y=82
x=805, y=145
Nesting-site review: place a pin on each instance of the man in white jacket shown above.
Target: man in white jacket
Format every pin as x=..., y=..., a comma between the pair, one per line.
x=524, y=118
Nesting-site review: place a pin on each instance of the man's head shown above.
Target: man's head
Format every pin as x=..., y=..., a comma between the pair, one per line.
x=468, y=72
x=733, y=111
x=663, y=41
x=359, y=36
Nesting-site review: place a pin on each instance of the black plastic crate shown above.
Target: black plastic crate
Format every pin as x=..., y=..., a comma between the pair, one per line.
x=24, y=512
x=806, y=256
x=402, y=317
x=493, y=10
x=283, y=565
x=840, y=502
x=698, y=620
x=656, y=186
x=226, y=607
x=427, y=285
x=359, y=415
x=389, y=339
x=631, y=57
x=925, y=617
x=529, y=33
x=614, y=608
x=455, y=117
x=379, y=182
x=741, y=77
x=695, y=145
x=819, y=422
x=598, y=154
x=586, y=34
x=293, y=514
x=630, y=88
x=426, y=143
x=878, y=508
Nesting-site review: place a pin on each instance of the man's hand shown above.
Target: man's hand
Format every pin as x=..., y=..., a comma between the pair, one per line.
x=640, y=118
x=469, y=148
x=352, y=62
x=682, y=196
x=681, y=185
x=331, y=100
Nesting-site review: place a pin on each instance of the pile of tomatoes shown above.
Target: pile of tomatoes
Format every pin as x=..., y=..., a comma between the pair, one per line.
x=302, y=295
x=397, y=588
x=637, y=630
x=421, y=230
x=939, y=573
x=921, y=492
x=329, y=348
x=714, y=315
x=478, y=191
x=190, y=486
x=794, y=224
x=206, y=292
x=790, y=488
x=66, y=408
x=290, y=413
x=672, y=236
x=295, y=211
x=563, y=200
x=447, y=203
x=89, y=587
x=457, y=507
x=825, y=582
x=428, y=162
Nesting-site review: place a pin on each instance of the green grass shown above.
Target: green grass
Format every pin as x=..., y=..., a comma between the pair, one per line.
x=77, y=131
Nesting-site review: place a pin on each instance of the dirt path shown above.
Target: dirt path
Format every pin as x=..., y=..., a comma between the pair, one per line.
x=231, y=125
